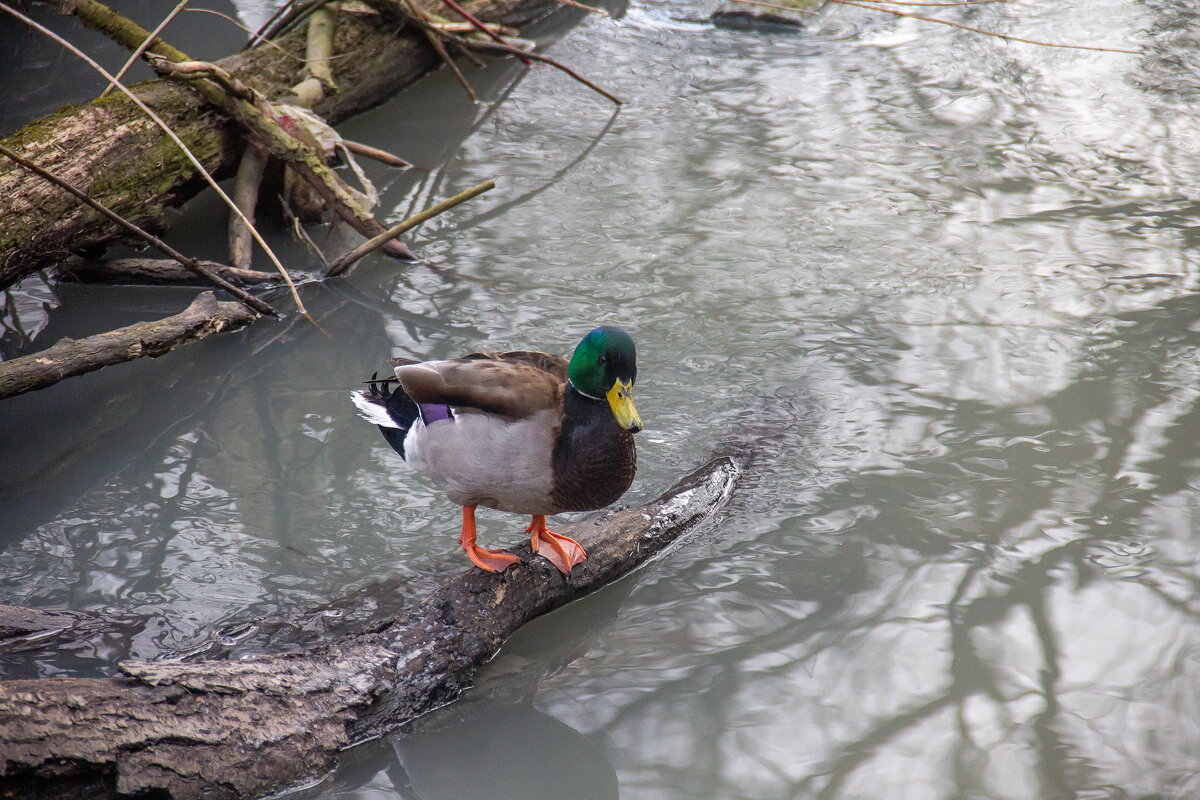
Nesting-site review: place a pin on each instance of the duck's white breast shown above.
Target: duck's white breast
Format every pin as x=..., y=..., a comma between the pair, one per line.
x=480, y=459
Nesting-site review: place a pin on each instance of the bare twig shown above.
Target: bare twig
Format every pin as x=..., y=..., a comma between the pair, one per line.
x=360, y=149
x=480, y=26
x=261, y=33
x=363, y=249
x=137, y=101
x=466, y=27
x=435, y=32
x=1004, y=36
x=295, y=13
x=467, y=54
x=436, y=42
x=584, y=7
x=191, y=263
x=149, y=40
x=320, y=46
x=510, y=50
x=302, y=235
x=247, y=31
x=318, y=81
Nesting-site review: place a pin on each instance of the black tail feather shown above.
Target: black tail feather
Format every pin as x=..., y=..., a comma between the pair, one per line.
x=399, y=406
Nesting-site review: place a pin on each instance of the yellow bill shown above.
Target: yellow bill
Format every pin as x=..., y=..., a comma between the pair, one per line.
x=620, y=400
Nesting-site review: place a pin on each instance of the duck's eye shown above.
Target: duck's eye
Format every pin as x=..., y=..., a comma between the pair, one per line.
x=603, y=360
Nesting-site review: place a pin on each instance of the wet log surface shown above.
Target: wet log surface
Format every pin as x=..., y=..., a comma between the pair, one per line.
x=202, y=318
x=111, y=150
x=18, y=621
x=224, y=729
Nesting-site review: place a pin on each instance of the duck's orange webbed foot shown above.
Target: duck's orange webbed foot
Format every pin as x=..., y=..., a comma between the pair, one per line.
x=561, y=551
x=486, y=560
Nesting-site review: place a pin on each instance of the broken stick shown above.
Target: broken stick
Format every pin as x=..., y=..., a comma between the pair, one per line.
x=343, y=263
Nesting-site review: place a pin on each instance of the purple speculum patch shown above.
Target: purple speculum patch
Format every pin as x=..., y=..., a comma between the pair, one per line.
x=433, y=412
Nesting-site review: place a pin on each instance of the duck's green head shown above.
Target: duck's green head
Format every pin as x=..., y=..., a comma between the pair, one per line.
x=604, y=367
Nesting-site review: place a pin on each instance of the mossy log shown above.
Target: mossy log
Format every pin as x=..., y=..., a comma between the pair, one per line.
x=202, y=318
x=225, y=729
x=118, y=156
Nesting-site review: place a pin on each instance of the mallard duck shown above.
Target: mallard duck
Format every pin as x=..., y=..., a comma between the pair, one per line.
x=522, y=431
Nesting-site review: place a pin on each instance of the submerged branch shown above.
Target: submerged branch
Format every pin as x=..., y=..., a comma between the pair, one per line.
x=18, y=621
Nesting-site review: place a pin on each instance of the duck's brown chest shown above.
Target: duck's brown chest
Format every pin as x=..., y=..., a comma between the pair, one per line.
x=594, y=458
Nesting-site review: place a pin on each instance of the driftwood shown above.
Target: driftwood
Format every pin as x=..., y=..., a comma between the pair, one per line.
x=156, y=271
x=232, y=729
x=113, y=152
x=204, y=317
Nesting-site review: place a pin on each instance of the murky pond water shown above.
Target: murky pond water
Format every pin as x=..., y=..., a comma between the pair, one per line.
x=964, y=269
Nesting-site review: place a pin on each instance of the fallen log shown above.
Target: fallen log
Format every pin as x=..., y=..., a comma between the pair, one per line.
x=202, y=318
x=190, y=263
x=241, y=728
x=158, y=271
x=110, y=150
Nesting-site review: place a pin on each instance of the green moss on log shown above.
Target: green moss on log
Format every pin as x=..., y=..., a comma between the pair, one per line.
x=109, y=149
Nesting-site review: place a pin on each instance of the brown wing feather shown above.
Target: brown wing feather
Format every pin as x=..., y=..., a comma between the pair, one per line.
x=510, y=387
x=555, y=365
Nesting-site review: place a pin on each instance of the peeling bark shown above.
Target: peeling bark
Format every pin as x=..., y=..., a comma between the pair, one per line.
x=232, y=729
x=204, y=317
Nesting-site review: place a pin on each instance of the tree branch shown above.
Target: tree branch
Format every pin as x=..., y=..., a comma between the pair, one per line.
x=230, y=729
x=204, y=317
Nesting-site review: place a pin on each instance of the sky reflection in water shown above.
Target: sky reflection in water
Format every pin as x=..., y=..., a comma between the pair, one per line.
x=963, y=269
